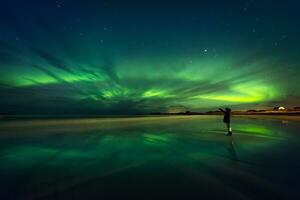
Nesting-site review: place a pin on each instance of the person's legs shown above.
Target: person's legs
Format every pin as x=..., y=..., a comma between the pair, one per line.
x=229, y=129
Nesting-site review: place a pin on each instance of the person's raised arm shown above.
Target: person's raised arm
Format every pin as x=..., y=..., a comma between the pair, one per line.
x=222, y=110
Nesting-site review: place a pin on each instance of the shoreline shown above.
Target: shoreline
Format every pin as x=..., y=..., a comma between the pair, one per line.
x=29, y=126
x=57, y=120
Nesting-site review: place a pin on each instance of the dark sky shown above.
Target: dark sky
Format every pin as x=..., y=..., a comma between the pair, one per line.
x=122, y=57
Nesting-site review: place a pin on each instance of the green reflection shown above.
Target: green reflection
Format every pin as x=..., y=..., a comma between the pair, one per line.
x=74, y=155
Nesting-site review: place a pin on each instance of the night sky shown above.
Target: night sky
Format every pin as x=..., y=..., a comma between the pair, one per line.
x=126, y=57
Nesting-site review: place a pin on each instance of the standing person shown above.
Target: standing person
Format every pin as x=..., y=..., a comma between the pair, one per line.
x=226, y=120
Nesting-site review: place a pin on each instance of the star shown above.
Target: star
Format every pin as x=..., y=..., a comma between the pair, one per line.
x=59, y=4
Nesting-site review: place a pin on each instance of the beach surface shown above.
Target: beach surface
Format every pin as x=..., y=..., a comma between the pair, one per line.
x=156, y=157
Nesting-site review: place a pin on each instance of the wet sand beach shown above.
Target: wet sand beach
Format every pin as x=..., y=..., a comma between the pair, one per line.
x=150, y=157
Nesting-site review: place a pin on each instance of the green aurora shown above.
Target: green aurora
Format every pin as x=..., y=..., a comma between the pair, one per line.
x=108, y=58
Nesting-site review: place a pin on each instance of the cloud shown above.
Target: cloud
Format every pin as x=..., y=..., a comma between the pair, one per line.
x=52, y=60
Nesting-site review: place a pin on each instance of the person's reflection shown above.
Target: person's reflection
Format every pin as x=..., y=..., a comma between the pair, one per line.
x=232, y=151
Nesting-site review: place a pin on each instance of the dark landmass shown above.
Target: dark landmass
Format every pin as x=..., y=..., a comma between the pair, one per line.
x=275, y=111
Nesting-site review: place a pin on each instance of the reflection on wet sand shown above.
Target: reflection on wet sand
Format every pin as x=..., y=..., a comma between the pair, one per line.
x=232, y=151
x=174, y=157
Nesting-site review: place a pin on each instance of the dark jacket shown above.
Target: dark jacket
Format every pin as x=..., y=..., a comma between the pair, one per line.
x=226, y=117
x=227, y=114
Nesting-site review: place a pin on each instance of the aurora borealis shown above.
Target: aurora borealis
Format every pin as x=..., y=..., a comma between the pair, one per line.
x=117, y=57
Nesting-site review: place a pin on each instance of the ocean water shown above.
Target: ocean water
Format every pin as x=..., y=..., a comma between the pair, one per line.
x=149, y=158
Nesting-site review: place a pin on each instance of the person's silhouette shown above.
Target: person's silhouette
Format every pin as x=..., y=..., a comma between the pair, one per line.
x=226, y=120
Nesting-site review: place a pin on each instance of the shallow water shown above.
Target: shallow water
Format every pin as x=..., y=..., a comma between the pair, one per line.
x=184, y=158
